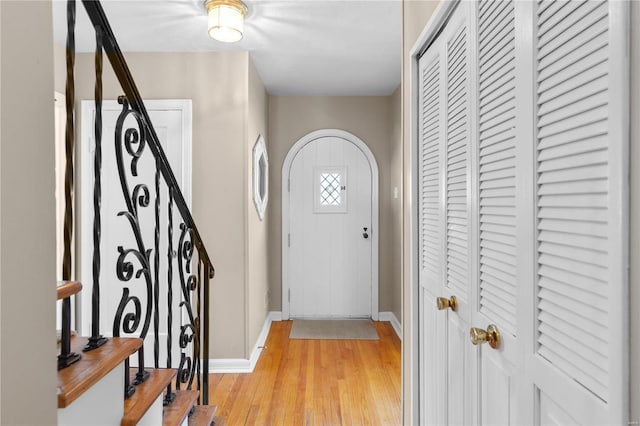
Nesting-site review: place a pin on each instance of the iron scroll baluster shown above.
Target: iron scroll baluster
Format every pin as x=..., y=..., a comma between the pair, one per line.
x=156, y=271
x=69, y=138
x=169, y=396
x=67, y=357
x=133, y=140
x=96, y=340
x=189, y=330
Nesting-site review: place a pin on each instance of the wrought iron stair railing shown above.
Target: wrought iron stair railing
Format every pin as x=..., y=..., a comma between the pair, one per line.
x=140, y=264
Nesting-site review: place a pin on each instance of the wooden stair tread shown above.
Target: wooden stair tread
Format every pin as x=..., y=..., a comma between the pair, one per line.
x=146, y=394
x=76, y=379
x=177, y=411
x=203, y=415
x=68, y=288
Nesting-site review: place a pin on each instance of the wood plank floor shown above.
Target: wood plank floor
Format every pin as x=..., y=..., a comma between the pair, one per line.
x=314, y=382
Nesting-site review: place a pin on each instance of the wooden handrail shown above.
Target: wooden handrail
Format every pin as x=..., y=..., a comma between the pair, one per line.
x=68, y=288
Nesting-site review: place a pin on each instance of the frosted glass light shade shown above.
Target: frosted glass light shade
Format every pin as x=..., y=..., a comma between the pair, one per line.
x=226, y=19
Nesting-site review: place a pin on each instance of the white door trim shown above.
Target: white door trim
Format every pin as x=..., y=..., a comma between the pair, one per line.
x=375, y=226
x=85, y=187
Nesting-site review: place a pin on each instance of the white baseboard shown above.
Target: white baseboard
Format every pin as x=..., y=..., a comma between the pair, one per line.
x=241, y=365
x=275, y=316
x=390, y=316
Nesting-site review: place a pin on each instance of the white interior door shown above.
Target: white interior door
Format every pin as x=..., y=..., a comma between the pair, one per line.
x=330, y=231
x=171, y=119
x=495, y=375
x=547, y=196
x=444, y=219
x=580, y=328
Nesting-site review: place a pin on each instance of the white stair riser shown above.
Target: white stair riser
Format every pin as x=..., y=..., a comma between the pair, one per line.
x=153, y=416
x=103, y=404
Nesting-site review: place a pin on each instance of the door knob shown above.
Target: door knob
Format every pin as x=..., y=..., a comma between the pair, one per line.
x=491, y=335
x=364, y=234
x=444, y=303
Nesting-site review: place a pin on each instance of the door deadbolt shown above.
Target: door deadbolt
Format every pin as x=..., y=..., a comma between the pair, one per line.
x=365, y=235
x=491, y=335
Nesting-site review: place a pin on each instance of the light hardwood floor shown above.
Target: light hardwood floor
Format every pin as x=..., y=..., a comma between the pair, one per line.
x=314, y=382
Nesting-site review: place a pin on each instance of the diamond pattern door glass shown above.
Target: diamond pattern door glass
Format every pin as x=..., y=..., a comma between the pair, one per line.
x=330, y=189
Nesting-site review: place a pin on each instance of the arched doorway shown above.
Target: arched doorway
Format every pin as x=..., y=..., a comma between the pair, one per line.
x=330, y=228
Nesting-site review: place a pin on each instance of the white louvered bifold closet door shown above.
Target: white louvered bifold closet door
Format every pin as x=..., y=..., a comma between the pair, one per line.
x=497, y=163
x=522, y=183
x=455, y=174
x=496, y=288
x=579, y=328
x=443, y=217
x=430, y=134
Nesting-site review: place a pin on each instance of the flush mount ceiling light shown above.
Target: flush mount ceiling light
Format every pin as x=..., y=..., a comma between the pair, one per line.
x=226, y=19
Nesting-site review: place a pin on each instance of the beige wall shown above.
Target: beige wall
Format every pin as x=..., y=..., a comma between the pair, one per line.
x=217, y=85
x=1, y=72
x=59, y=67
x=634, y=295
x=369, y=118
x=415, y=14
x=257, y=232
x=27, y=227
x=395, y=165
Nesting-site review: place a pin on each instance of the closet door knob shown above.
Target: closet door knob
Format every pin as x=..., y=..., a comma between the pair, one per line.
x=444, y=303
x=491, y=335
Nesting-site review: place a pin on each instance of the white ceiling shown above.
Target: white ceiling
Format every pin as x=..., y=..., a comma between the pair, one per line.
x=300, y=47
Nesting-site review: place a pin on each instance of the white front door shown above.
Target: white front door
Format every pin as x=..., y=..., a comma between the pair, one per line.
x=546, y=220
x=172, y=122
x=330, y=231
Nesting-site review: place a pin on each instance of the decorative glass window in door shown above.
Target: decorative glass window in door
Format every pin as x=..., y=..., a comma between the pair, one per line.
x=330, y=190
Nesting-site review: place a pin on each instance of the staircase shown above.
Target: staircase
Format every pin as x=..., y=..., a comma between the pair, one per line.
x=89, y=390
x=105, y=378
x=94, y=383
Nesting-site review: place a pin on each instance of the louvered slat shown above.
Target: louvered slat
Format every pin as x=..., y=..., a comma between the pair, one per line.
x=496, y=120
x=592, y=36
x=429, y=179
x=565, y=27
x=572, y=190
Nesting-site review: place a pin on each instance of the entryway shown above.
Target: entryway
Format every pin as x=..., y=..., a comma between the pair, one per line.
x=330, y=228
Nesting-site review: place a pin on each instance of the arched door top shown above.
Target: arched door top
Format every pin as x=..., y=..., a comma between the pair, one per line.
x=309, y=137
